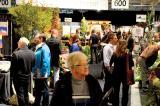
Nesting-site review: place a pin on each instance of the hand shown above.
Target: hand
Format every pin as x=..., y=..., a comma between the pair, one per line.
x=152, y=76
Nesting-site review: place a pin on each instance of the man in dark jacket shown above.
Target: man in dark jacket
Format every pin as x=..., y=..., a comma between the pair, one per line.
x=77, y=88
x=54, y=45
x=21, y=74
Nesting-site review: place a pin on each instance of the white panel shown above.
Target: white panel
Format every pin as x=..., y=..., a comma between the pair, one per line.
x=71, y=4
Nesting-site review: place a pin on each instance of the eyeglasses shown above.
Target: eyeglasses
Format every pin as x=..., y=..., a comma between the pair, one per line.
x=85, y=65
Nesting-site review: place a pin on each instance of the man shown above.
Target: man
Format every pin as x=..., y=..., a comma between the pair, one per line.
x=145, y=60
x=21, y=74
x=107, y=54
x=41, y=70
x=54, y=45
x=94, y=41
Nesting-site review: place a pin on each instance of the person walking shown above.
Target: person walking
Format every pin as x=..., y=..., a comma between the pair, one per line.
x=77, y=87
x=41, y=70
x=21, y=74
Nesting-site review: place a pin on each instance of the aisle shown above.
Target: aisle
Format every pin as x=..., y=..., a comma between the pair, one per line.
x=135, y=95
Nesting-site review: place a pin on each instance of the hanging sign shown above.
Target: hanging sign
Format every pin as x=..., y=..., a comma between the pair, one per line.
x=5, y=3
x=4, y=28
x=120, y=4
x=141, y=18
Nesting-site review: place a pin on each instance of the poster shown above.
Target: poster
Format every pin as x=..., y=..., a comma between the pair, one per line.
x=138, y=31
x=4, y=28
x=1, y=44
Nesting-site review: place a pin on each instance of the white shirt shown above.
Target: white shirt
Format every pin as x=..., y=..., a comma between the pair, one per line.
x=107, y=53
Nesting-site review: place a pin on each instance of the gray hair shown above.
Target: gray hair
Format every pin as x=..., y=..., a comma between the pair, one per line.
x=75, y=58
x=24, y=40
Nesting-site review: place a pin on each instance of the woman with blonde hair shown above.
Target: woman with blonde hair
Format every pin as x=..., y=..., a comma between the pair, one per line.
x=77, y=87
x=119, y=59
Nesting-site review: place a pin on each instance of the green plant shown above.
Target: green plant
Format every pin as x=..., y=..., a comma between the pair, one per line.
x=84, y=27
x=30, y=18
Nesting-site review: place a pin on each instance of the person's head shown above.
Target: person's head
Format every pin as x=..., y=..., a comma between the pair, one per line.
x=121, y=48
x=23, y=42
x=78, y=64
x=39, y=38
x=112, y=38
x=156, y=37
x=54, y=32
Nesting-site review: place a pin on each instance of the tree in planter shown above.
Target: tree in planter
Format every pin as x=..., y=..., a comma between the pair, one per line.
x=30, y=18
x=84, y=27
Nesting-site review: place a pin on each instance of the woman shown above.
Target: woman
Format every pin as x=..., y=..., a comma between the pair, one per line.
x=120, y=72
x=77, y=88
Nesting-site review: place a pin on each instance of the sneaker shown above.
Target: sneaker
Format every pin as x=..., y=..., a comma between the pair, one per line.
x=109, y=104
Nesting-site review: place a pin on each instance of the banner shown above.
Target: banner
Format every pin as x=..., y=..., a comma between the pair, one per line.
x=4, y=28
x=1, y=44
x=120, y=4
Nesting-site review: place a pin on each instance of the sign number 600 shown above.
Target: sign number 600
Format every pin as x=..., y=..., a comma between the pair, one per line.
x=120, y=3
x=4, y=2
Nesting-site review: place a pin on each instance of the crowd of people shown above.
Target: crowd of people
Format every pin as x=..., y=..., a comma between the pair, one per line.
x=76, y=87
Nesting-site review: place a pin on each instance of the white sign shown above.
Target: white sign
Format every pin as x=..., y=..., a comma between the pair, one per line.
x=120, y=4
x=5, y=3
x=141, y=18
x=67, y=19
x=71, y=4
x=138, y=31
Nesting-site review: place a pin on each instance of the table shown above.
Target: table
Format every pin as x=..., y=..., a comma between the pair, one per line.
x=5, y=85
x=5, y=80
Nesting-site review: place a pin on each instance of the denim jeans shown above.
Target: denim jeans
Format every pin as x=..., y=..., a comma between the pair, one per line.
x=41, y=90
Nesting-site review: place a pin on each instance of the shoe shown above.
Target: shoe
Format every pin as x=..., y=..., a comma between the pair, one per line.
x=109, y=104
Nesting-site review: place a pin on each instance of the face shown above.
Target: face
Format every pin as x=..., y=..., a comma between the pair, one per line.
x=114, y=40
x=37, y=40
x=80, y=70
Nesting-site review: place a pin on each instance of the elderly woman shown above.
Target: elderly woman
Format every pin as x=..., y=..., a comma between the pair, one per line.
x=77, y=87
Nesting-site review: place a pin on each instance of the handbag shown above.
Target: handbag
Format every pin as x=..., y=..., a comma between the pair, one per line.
x=130, y=72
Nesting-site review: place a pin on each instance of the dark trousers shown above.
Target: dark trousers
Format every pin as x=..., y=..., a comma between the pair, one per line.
x=108, y=83
x=21, y=87
x=94, y=52
x=125, y=89
x=41, y=90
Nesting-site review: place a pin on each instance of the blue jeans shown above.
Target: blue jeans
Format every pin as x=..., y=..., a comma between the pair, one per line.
x=21, y=87
x=41, y=90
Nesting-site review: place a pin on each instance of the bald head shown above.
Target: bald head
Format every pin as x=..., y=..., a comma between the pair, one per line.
x=54, y=32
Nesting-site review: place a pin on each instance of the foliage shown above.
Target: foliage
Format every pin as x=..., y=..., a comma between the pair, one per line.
x=30, y=18
x=56, y=20
x=84, y=26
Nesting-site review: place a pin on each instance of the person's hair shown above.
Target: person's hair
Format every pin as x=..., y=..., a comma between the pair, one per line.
x=75, y=58
x=24, y=40
x=121, y=48
x=41, y=35
x=109, y=37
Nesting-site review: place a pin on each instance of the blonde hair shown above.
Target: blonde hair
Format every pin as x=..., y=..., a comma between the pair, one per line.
x=75, y=58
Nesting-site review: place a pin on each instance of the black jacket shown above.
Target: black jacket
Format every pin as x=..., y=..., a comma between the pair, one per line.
x=62, y=95
x=21, y=63
x=54, y=46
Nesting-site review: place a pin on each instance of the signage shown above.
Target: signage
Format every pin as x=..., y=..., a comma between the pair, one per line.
x=138, y=31
x=67, y=19
x=4, y=28
x=141, y=18
x=5, y=3
x=70, y=4
x=120, y=4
